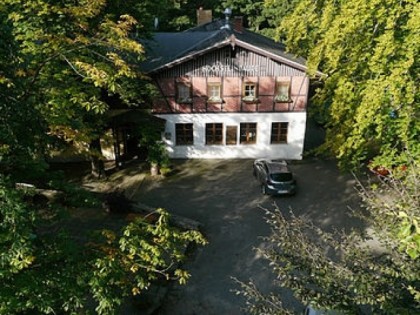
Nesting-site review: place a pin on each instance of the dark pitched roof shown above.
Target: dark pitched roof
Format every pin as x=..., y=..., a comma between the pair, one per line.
x=167, y=49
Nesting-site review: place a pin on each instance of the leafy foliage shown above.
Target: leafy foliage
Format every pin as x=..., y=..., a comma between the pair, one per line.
x=143, y=254
x=37, y=272
x=152, y=140
x=369, y=51
x=258, y=303
x=369, y=102
x=340, y=270
x=396, y=200
x=60, y=59
x=251, y=10
x=45, y=269
x=16, y=233
x=261, y=16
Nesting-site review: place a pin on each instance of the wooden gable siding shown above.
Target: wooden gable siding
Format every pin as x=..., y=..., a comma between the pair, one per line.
x=228, y=62
x=231, y=94
x=231, y=69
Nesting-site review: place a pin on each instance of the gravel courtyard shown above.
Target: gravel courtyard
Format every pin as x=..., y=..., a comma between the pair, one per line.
x=226, y=199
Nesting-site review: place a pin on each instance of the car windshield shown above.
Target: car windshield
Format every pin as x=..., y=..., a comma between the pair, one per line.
x=282, y=177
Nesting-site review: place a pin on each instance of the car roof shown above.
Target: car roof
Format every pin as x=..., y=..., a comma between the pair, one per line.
x=275, y=165
x=278, y=168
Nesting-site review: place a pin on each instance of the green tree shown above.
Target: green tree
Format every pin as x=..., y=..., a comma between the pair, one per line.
x=20, y=125
x=144, y=253
x=369, y=100
x=252, y=11
x=262, y=16
x=45, y=269
x=369, y=52
x=58, y=60
x=182, y=14
x=340, y=270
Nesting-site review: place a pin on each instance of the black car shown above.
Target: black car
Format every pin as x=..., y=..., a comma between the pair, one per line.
x=275, y=177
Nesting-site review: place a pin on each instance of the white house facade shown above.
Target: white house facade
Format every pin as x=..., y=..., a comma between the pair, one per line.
x=233, y=148
x=226, y=92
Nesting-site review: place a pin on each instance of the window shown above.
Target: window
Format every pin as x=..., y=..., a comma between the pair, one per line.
x=248, y=133
x=184, y=94
x=214, y=133
x=282, y=92
x=184, y=134
x=279, y=132
x=249, y=92
x=231, y=135
x=213, y=92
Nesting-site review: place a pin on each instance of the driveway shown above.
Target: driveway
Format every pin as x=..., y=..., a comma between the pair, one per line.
x=226, y=199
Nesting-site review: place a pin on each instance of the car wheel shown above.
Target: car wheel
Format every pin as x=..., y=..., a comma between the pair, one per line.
x=263, y=189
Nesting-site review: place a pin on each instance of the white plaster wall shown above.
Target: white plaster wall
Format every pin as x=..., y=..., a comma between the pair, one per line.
x=292, y=150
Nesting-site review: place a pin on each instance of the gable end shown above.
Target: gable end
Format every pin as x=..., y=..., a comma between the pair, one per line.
x=230, y=62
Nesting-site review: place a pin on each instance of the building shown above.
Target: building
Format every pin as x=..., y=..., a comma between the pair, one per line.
x=227, y=92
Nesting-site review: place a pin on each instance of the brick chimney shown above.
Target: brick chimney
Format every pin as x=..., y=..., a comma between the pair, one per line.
x=204, y=16
x=238, y=25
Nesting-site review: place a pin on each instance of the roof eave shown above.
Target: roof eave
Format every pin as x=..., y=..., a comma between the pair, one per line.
x=233, y=40
x=275, y=57
x=190, y=56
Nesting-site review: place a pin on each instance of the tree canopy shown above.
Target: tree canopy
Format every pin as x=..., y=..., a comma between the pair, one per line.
x=261, y=16
x=45, y=269
x=59, y=60
x=344, y=271
x=369, y=52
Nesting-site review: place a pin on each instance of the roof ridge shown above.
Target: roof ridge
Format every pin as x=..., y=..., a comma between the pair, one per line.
x=203, y=26
x=176, y=47
x=199, y=43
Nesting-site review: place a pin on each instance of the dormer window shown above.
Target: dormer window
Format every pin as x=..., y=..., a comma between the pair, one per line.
x=184, y=92
x=249, y=92
x=214, y=93
x=282, y=92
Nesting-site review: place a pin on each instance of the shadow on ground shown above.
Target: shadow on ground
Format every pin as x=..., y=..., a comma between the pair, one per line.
x=224, y=197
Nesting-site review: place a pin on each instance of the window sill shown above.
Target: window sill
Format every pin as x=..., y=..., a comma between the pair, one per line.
x=214, y=101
